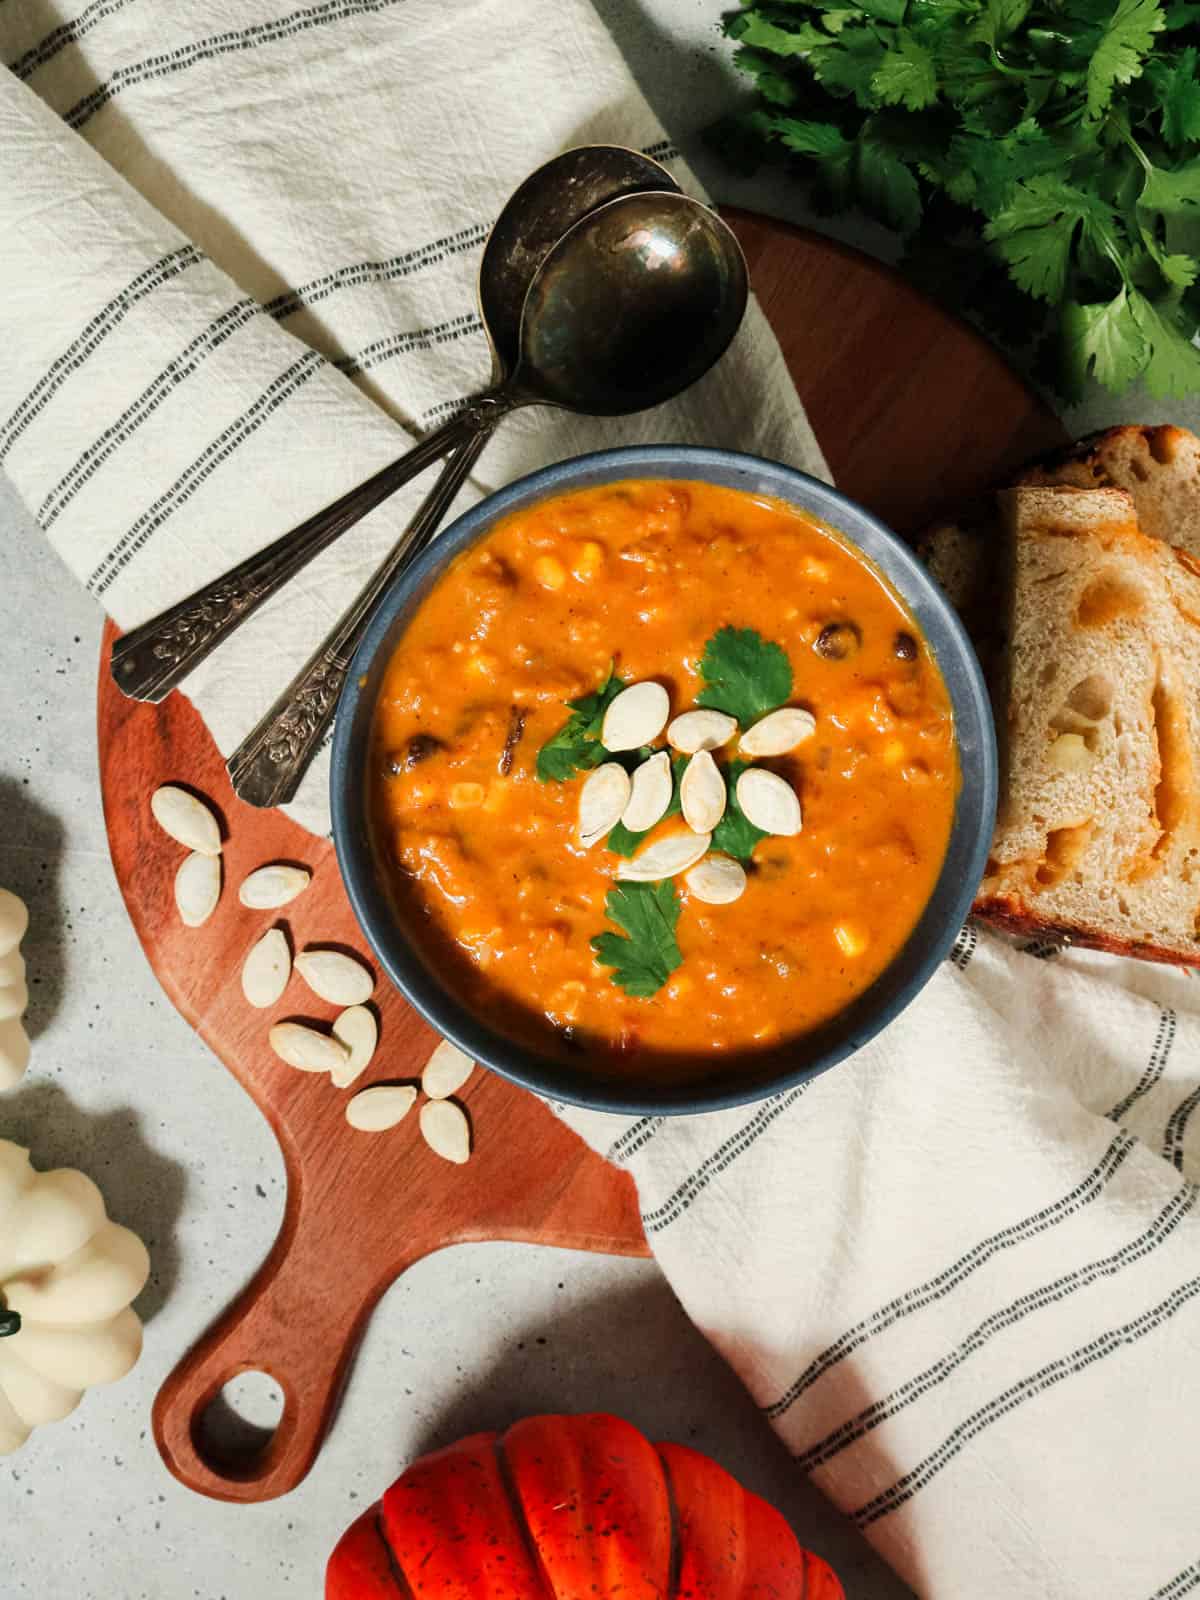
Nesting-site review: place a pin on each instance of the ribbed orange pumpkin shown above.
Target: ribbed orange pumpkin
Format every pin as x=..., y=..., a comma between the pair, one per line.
x=572, y=1508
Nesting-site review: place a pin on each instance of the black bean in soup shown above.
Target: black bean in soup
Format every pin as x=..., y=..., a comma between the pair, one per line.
x=905, y=646
x=838, y=641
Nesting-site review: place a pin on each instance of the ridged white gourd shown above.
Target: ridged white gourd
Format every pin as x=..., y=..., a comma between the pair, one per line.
x=67, y=1278
x=14, y=993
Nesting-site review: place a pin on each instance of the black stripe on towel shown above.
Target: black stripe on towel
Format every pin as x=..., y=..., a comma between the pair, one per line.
x=399, y=344
x=1006, y=1317
x=66, y=33
x=388, y=270
x=160, y=388
x=964, y=946
x=635, y=1137
x=924, y=1294
x=231, y=42
x=1155, y=1067
x=1177, y=1128
x=92, y=336
x=221, y=448
x=1047, y=1377
x=1182, y=1583
x=722, y=1158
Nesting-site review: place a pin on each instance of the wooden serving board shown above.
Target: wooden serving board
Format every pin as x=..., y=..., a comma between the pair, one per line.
x=913, y=411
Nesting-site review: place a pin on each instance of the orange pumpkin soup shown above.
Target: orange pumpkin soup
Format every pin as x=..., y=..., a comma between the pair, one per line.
x=497, y=801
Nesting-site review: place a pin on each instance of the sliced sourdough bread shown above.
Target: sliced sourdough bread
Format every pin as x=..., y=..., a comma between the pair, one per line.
x=1097, y=836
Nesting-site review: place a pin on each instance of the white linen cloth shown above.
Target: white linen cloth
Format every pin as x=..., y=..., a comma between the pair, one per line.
x=961, y=1273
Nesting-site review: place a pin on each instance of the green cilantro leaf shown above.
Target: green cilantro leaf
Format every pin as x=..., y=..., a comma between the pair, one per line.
x=1174, y=364
x=1178, y=90
x=576, y=746
x=1036, y=231
x=1118, y=56
x=849, y=63
x=1171, y=192
x=886, y=186
x=642, y=962
x=744, y=675
x=1180, y=271
x=1103, y=340
x=624, y=843
x=907, y=76
x=734, y=835
x=759, y=33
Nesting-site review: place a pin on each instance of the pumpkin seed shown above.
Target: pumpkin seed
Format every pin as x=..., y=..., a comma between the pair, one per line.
x=446, y=1131
x=268, y=888
x=14, y=1001
x=701, y=730
x=447, y=1069
x=717, y=880
x=702, y=793
x=335, y=977
x=602, y=799
x=266, y=969
x=14, y=919
x=358, y=1030
x=769, y=802
x=650, y=793
x=307, y=1048
x=14, y=1052
x=665, y=857
x=197, y=888
x=12, y=967
x=637, y=716
x=778, y=732
x=188, y=820
x=381, y=1106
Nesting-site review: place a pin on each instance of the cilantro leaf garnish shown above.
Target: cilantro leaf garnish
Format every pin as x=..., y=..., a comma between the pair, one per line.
x=623, y=843
x=643, y=961
x=744, y=675
x=734, y=835
x=576, y=746
x=1039, y=159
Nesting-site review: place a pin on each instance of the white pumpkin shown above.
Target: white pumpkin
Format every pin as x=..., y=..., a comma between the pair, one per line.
x=14, y=996
x=67, y=1277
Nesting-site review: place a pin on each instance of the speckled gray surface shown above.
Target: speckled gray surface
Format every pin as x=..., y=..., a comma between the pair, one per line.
x=120, y=1087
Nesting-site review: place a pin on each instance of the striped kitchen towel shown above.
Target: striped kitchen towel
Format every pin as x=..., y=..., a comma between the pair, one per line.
x=961, y=1273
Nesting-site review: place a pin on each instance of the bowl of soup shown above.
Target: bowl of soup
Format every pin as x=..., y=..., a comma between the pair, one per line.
x=664, y=780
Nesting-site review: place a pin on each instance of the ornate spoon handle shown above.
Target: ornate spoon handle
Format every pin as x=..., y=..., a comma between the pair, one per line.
x=266, y=768
x=151, y=660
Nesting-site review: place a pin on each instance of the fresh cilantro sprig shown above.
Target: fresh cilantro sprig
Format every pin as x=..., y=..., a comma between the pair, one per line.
x=576, y=746
x=1041, y=159
x=647, y=954
x=744, y=675
x=735, y=835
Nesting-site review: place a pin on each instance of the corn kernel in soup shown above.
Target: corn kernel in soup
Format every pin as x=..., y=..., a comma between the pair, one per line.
x=634, y=580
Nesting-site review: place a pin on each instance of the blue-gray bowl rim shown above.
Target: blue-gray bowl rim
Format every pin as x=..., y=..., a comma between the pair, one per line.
x=798, y=1061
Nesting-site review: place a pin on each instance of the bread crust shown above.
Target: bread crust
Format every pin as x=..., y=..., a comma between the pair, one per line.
x=1010, y=916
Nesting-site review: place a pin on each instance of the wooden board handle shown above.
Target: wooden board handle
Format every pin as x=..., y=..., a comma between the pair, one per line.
x=298, y=1321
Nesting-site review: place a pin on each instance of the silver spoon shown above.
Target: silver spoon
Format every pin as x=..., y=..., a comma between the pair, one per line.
x=631, y=306
x=151, y=660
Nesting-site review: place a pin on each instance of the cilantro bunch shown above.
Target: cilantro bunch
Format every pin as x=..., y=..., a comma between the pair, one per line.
x=1040, y=159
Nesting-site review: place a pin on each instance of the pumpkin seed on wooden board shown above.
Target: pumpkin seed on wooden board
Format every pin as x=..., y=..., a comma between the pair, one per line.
x=307, y=1049
x=14, y=1001
x=358, y=1030
x=665, y=857
x=335, y=977
x=266, y=969
x=602, y=799
x=769, y=802
x=187, y=819
x=14, y=920
x=636, y=717
x=380, y=1107
x=12, y=967
x=14, y=1051
x=702, y=793
x=650, y=793
x=778, y=732
x=446, y=1131
x=701, y=730
x=197, y=888
x=447, y=1069
x=268, y=888
x=717, y=880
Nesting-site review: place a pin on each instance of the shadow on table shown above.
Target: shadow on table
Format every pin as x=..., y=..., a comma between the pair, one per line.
x=31, y=870
x=141, y=1187
x=635, y=1353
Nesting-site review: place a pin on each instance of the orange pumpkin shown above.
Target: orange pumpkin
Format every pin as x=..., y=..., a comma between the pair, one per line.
x=572, y=1508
